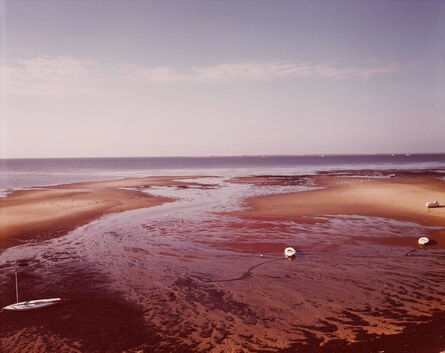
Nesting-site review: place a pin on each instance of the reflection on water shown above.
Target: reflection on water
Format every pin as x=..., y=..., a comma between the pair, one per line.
x=212, y=281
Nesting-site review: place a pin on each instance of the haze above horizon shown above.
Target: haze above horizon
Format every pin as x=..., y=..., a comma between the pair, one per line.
x=196, y=78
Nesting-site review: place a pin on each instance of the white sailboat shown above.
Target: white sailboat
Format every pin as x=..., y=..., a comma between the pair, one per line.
x=30, y=304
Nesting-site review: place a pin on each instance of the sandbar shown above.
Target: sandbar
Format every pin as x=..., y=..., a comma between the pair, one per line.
x=50, y=211
x=402, y=198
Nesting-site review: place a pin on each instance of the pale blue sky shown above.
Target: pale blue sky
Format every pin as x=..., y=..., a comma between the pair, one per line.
x=139, y=78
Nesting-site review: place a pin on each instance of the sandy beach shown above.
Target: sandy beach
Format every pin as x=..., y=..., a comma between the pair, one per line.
x=397, y=198
x=204, y=271
x=222, y=176
x=47, y=212
x=402, y=198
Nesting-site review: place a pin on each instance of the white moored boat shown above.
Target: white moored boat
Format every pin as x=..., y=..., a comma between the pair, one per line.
x=423, y=241
x=433, y=204
x=289, y=252
x=30, y=304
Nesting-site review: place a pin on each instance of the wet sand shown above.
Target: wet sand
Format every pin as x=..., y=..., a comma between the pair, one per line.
x=396, y=198
x=206, y=273
x=400, y=198
x=47, y=212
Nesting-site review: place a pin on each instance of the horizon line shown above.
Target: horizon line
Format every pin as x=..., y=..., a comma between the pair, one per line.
x=244, y=155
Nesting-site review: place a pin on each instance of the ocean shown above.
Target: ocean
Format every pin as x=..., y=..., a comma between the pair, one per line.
x=20, y=173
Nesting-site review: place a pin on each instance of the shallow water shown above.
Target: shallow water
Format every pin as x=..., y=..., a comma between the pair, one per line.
x=177, y=262
x=20, y=173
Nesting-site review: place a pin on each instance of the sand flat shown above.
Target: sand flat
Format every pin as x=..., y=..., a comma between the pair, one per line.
x=188, y=275
x=180, y=181
x=400, y=199
x=67, y=206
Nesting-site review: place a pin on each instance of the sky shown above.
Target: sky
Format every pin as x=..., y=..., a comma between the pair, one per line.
x=195, y=78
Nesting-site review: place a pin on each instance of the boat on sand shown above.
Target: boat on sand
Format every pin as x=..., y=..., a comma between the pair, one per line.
x=423, y=241
x=30, y=304
x=289, y=252
x=433, y=204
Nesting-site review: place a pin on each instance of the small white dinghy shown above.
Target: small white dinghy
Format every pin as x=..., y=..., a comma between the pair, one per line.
x=30, y=304
x=433, y=204
x=289, y=252
x=423, y=241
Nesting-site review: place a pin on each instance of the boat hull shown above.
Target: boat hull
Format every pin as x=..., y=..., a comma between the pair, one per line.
x=423, y=241
x=32, y=304
x=289, y=252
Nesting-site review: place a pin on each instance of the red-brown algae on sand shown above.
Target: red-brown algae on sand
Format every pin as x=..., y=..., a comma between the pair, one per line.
x=349, y=285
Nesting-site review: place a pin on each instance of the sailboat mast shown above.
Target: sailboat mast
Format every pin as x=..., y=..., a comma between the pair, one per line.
x=16, y=288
